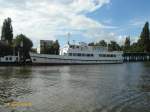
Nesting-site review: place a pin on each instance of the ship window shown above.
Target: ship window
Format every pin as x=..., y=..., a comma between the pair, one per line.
x=34, y=59
x=10, y=58
x=100, y=55
x=64, y=53
x=79, y=54
x=6, y=58
x=88, y=55
x=84, y=55
x=70, y=54
x=92, y=55
x=114, y=55
x=72, y=46
x=74, y=54
x=104, y=55
x=107, y=55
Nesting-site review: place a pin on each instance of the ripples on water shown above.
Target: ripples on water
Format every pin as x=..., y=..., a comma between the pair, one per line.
x=93, y=88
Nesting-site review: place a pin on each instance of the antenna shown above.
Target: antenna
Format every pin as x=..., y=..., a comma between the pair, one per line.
x=74, y=42
x=69, y=38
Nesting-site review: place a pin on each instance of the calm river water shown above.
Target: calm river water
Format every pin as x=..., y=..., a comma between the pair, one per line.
x=79, y=88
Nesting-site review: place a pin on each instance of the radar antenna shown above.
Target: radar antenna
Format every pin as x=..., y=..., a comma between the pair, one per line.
x=69, y=38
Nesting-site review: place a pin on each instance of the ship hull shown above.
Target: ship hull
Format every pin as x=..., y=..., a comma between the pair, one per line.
x=42, y=59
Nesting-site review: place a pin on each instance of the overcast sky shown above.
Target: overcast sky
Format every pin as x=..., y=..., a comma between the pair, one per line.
x=85, y=20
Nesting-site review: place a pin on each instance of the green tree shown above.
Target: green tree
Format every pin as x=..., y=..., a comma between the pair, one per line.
x=5, y=49
x=91, y=44
x=7, y=31
x=136, y=48
x=56, y=47
x=127, y=44
x=113, y=46
x=23, y=44
x=102, y=43
x=144, y=41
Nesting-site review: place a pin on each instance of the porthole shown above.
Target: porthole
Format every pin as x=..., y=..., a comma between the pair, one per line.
x=6, y=58
x=34, y=59
x=10, y=58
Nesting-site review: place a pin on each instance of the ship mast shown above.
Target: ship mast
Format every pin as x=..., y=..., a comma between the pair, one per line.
x=68, y=38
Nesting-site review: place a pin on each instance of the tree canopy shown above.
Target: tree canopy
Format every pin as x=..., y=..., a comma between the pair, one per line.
x=23, y=44
x=127, y=44
x=113, y=46
x=91, y=44
x=23, y=41
x=143, y=43
x=102, y=43
x=144, y=40
x=7, y=31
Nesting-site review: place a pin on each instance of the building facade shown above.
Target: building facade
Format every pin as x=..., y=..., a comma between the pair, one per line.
x=44, y=46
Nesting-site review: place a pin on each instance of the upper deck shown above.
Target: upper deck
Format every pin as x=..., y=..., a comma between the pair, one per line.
x=82, y=49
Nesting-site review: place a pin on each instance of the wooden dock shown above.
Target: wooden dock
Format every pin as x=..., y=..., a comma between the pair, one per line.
x=136, y=57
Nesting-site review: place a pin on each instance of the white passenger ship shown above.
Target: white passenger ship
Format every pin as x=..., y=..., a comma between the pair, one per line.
x=79, y=54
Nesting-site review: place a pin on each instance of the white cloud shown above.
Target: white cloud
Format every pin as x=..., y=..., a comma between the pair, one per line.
x=47, y=18
x=137, y=22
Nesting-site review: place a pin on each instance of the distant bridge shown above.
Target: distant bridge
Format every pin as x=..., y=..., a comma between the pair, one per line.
x=136, y=56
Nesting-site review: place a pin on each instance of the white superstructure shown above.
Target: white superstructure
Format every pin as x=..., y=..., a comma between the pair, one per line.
x=79, y=54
